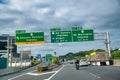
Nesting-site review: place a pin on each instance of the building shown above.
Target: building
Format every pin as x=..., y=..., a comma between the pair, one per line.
x=8, y=47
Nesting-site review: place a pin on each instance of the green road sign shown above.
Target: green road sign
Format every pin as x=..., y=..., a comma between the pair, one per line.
x=77, y=34
x=55, y=29
x=82, y=35
x=30, y=38
x=20, y=31
x=48, y=58
x=76, y=28
x=60, y=36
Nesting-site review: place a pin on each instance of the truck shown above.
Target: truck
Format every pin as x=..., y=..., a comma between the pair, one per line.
x=100, y=59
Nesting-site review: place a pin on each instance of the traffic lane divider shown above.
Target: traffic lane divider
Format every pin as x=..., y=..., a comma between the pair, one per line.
x=46, y=67
x=42, y=68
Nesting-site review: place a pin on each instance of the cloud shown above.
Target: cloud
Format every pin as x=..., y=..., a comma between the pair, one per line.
x=41, y=15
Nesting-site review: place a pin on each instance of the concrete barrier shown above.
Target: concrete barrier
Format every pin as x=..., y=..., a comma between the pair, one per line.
x=116, y=62
x=24, y=64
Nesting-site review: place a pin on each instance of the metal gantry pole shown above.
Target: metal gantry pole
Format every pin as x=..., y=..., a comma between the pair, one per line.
x=108, y=43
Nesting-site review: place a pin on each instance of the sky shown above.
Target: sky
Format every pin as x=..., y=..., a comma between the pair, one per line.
x=42, y=15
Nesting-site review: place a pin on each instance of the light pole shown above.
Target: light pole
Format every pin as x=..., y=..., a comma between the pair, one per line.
x=9, y=48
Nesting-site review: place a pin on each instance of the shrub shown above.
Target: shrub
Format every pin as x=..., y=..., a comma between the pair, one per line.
x=116, y=55
x=55, y=60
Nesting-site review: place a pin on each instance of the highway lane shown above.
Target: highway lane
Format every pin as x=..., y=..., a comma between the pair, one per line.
x=35, y=75
x=68, y=72
x=34, y=68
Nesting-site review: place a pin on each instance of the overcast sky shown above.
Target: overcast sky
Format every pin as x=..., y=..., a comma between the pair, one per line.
x=41, y=15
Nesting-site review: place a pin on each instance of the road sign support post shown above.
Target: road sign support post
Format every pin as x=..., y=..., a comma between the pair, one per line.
x=108, y=43
x=21, y=58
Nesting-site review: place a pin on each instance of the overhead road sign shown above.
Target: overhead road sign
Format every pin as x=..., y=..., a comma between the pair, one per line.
x=82, y=35
x=77, y=34
x=61, y=36
x=76, y=28
x=30, y=38
x=55, y=29
x=20, y=31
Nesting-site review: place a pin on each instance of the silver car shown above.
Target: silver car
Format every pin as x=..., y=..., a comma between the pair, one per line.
x=83, y=63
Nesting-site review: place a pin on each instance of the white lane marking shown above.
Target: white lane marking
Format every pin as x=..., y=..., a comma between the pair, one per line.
x=37, y=74
x=20, y=75
x=95, y=75
x=16, y=77
x=54, y=73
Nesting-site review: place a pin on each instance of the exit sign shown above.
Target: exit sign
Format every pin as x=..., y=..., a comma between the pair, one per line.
x=82, y=35
x=77, y=34
x=61, y=36
x=30, y=38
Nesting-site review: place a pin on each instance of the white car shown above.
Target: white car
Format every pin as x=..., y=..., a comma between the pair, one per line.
x=83, y=63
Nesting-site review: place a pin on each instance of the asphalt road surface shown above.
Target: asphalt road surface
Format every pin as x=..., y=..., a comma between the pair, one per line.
x=68, y=72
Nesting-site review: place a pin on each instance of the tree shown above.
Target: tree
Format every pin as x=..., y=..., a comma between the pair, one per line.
x=116, y=54
x=55, y=60
x=100, y=50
